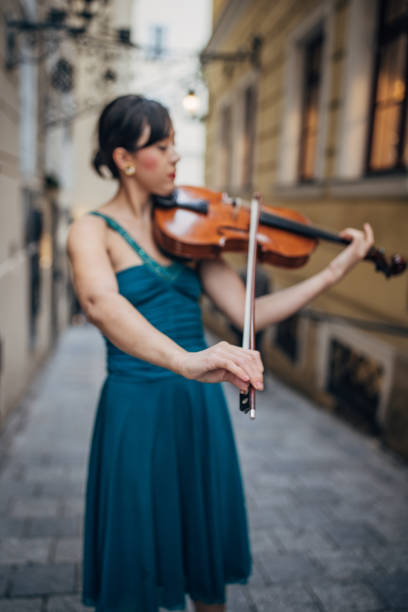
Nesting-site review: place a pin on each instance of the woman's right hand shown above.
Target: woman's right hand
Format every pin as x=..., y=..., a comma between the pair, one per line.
x=224, y=362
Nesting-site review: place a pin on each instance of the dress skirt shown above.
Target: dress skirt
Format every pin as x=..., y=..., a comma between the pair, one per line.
x=165, y=509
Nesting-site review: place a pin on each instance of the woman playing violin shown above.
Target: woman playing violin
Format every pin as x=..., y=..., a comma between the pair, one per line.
x=165, y=509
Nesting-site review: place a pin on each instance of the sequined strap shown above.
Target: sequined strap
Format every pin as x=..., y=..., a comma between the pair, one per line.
x=169, y=272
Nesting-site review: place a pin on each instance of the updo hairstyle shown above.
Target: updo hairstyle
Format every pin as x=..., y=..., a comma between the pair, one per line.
x=121, y=124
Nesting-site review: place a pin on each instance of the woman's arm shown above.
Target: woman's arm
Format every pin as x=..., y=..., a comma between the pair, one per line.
x=97, y=290
x=226, y=289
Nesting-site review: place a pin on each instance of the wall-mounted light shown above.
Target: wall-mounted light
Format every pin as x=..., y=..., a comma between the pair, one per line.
x=191, y=103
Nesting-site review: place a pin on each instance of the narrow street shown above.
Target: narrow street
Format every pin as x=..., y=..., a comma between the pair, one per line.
x=328, y=507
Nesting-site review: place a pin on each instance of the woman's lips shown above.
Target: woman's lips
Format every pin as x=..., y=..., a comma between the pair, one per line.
x=172, y=176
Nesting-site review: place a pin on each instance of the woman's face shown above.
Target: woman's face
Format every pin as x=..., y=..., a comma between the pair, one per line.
x=156, y=164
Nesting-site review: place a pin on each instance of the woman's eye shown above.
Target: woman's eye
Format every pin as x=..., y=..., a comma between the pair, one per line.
x=163, y=147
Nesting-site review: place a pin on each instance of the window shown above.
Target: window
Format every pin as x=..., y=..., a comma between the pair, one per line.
x=249, y=137
x=387, y=149
x=33, y=233
x=309, y=120
x=157, y=41
x=287, y=337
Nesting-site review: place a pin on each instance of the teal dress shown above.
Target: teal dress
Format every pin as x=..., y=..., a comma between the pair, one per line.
x=165, y=510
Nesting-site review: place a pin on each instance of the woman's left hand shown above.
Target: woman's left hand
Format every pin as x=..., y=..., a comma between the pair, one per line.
x=361, y=242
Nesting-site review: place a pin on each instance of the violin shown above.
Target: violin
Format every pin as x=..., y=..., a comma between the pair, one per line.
x=197, y=223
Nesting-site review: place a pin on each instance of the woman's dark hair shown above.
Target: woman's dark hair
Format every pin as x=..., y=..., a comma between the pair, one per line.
x=121, y=124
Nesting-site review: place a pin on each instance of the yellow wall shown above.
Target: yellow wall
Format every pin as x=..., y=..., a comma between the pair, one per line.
x=364, y=294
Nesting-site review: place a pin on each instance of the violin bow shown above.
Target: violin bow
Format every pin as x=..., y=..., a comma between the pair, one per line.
x=247, y=398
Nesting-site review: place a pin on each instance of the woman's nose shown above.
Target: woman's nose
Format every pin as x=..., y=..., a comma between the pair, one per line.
x=175, y=156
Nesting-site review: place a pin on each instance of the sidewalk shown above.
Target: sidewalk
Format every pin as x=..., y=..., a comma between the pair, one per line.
x=328, y=508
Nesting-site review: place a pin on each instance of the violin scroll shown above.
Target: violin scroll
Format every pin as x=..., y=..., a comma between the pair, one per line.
x=395, y=265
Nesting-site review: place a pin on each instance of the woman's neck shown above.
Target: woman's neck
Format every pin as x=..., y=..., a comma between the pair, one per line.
x=134, y=200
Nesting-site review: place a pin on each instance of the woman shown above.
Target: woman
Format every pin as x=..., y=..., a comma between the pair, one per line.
x=165, y=511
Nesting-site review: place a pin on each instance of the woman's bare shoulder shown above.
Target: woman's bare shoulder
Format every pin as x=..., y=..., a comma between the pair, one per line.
x=86, y=230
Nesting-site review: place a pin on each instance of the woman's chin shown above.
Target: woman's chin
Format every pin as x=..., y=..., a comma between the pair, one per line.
x=166, y=190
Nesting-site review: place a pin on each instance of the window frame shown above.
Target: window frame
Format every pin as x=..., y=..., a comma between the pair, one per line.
x=384, y=34
x=309, y=45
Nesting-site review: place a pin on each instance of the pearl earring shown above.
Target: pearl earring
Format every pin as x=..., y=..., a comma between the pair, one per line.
x=130, y=170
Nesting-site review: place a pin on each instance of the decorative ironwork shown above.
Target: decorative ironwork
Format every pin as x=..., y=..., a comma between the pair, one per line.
x=43, y=38
x=62, y=76
x=253, y=54
x=355, y=380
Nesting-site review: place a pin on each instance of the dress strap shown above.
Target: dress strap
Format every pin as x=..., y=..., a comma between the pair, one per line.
x=169, y=272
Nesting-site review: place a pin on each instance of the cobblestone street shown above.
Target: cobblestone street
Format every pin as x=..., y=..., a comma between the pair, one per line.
x=328, y=506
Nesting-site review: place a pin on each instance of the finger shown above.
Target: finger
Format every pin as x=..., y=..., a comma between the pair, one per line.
x=248, y=360
x=237, y=382
x=257, y=356
x=352, y=234
x=252, y=355
x=346, y=233
x=369, y=233
x=231, y=366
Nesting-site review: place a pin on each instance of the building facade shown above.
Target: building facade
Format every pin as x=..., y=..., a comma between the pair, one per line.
x=34, y=287
x=317, y=121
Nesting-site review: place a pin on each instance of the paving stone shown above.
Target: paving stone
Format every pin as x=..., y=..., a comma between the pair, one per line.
x=45, y=473
x=263, y=518
x=73, y=506
x=35, y=507
x=299, y=516
x=271, y=499
x=392, y=587
x=43, y=579
x=62, y=488
x=345, y=564
x=238, y=598
x=316, y=495
x=12, y=527
x=5, y=573
x=393, y=531
x=62, y=526
x=5, y=502
x=286, y=567
x=258, y=577
x=15, y=550
x=17, y=488
x=68, y=549
x=276, y=482
x=68, y=603
x=21, y=605
x=303, y=539
x=347, y=597
x=283, y=599
x=262, y=540
x=354, y=534
x=391, y=558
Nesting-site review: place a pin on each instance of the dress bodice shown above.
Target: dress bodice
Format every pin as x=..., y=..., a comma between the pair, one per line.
x=167, y=296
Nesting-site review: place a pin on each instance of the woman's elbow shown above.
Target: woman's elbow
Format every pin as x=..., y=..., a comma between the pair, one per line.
x=92, y=306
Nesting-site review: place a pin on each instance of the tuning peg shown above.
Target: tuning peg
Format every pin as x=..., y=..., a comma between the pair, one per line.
x=398, y=264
